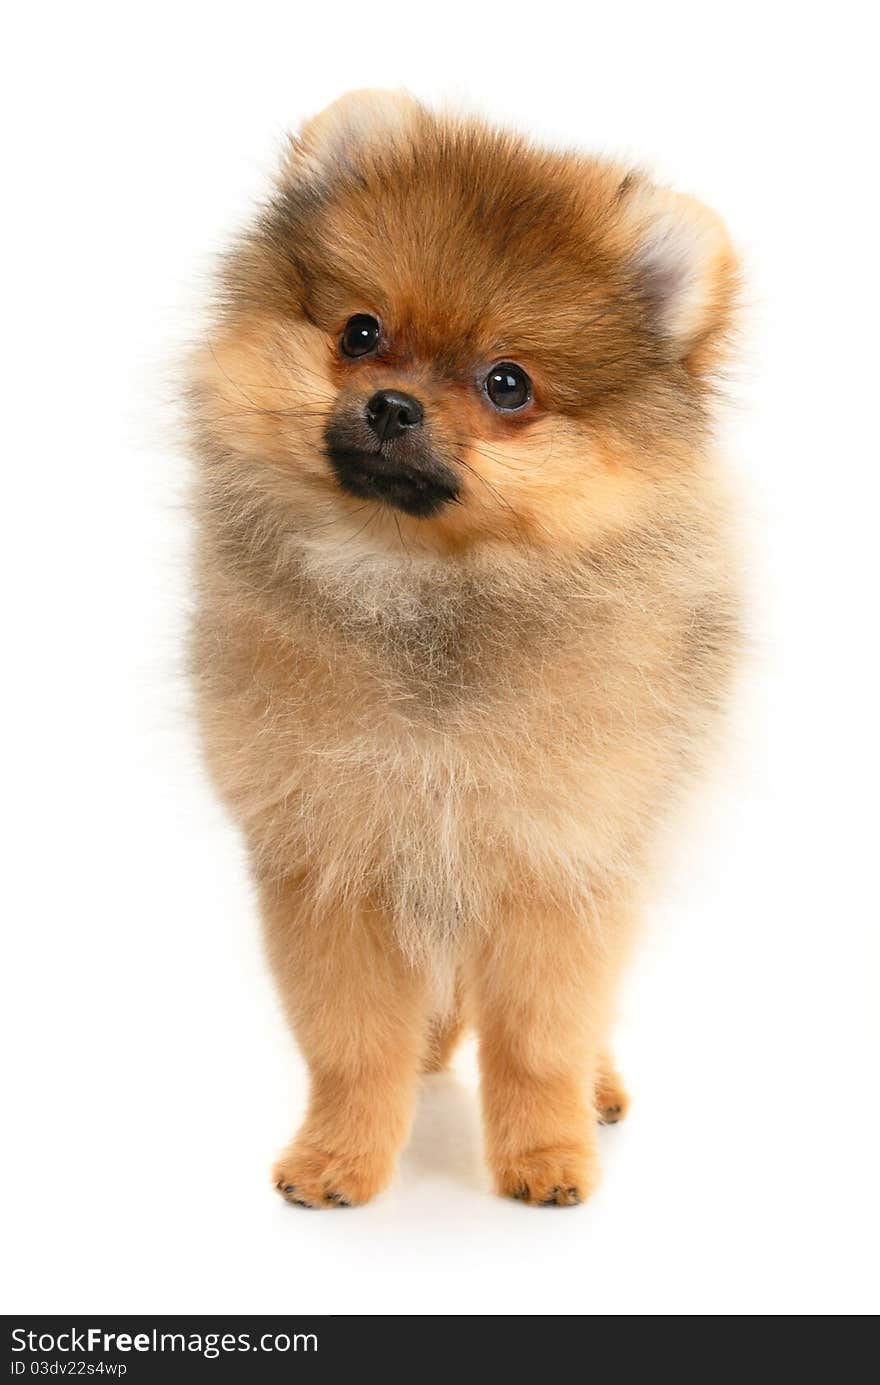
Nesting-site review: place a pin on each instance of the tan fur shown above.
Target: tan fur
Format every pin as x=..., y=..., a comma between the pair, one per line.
x=452, y=742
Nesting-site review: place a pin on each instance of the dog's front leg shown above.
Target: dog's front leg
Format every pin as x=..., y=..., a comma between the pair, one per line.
x=359, y=1011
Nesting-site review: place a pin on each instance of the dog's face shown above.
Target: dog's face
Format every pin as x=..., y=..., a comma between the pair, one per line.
x=437, y=336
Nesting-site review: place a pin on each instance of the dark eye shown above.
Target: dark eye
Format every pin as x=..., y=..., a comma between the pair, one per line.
x=508, y=386
x=361, y=335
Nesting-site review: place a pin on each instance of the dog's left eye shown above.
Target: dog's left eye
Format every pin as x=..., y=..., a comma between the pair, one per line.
x=508, y=386
x=361, y=335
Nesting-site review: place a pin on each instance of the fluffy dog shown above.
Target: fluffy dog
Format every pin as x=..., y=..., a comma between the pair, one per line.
x=468, y=611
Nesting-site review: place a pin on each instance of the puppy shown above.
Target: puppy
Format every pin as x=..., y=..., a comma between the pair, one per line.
x=468, y=612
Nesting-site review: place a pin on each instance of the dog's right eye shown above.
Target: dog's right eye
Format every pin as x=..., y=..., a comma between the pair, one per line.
x=361, y=335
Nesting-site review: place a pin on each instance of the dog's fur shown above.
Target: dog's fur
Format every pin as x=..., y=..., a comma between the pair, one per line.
x=451, y=741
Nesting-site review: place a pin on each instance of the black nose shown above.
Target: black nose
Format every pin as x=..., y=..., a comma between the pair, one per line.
x=390, y=413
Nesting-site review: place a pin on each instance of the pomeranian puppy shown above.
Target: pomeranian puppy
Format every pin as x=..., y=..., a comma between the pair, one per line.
x=467, y=612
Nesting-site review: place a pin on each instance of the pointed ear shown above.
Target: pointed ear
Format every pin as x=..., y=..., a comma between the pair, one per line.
x=685, y=271
x=358, y=119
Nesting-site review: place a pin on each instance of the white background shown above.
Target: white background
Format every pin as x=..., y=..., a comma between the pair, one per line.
x=152, y=1080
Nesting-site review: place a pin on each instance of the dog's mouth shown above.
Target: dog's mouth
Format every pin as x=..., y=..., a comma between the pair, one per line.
x=420, y=486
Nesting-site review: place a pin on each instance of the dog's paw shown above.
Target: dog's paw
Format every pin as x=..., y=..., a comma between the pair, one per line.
x=611, y=1099
x=309, y=1177
x=549, y=1177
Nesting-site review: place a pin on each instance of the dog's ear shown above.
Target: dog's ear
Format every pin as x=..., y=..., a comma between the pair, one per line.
x=684, y=269
x=333, y=139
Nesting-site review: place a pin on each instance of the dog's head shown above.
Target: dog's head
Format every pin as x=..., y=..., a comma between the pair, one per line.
x=438, y=336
